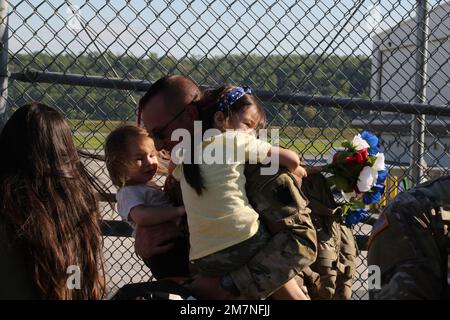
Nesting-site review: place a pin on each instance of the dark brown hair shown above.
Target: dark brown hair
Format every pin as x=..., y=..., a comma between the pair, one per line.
x=208, y=106
x=48, y=203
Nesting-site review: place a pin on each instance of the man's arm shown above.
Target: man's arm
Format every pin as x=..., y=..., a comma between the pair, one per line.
x=286, y=254
x=419, y=279
x=404, y=247
x=291, y=249
x=150, y=241
x=148, y=216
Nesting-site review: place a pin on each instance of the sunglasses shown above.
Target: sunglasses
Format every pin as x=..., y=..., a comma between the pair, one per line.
x=159, y=133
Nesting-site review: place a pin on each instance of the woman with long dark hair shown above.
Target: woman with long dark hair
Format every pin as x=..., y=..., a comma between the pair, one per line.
x=49, y=213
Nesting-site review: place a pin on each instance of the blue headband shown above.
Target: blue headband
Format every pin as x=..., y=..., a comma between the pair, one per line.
x=231, y=97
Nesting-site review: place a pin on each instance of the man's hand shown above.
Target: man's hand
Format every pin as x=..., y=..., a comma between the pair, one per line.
x=149, y=240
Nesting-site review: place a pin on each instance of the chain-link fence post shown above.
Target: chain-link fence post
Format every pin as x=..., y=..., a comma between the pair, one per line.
x=3, y=61
x=418, y=122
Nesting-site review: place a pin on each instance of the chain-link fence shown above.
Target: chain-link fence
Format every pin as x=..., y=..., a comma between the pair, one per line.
x=325, y=69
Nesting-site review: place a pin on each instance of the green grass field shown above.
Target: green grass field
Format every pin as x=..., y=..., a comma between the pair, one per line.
x=311, y=147
x=83, y=132
x=91, y=134
x=303, y=147
x=94, y=125
x=89, y=142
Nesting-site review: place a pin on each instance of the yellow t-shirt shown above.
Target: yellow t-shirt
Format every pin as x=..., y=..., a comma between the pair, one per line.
x=222, y=216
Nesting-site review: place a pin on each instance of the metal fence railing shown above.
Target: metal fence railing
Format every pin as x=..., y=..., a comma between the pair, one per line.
x=324, y=70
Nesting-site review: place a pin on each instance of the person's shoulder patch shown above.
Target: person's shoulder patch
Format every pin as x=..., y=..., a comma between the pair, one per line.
x=381, y=224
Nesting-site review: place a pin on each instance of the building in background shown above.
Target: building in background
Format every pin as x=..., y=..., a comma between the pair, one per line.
x=394, y=58
x=393, y=79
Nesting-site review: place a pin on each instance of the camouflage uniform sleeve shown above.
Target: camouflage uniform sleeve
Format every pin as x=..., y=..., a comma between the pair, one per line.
x=403, y=246
x=291, y=249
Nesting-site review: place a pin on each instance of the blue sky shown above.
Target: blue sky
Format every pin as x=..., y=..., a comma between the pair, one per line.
x=200, y=27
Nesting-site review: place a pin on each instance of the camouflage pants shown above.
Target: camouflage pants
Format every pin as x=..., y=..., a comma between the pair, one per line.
x=231, y=258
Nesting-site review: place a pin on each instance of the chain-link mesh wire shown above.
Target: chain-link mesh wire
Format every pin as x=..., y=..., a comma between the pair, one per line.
x=357, y=49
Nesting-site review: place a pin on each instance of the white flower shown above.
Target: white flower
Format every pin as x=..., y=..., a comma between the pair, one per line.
x=366, y=179
x=359, y=143
x=379, y=163
x=375, y=176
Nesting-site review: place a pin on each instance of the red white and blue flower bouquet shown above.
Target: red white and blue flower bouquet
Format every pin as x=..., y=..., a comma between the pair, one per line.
x=359, y=172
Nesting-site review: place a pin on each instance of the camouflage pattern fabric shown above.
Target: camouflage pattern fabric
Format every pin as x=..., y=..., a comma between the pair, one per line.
x=346, y=264
x=331, y=275
x=283, y=210
x=410, y=244
x=224, y=261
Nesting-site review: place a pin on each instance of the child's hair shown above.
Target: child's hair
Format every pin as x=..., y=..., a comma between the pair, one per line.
x=117, y=158
x=209, y=105
x=48, y=203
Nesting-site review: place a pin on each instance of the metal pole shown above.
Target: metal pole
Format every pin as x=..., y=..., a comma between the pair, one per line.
x=33, y=76
x=3, y=61
x=379, y=74
x=418, y=123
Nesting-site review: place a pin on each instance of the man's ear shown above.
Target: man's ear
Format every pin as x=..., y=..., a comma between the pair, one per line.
x=219, y=120
x=193, y=112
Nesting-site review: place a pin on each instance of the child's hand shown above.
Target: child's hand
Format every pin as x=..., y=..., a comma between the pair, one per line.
x=300, y=172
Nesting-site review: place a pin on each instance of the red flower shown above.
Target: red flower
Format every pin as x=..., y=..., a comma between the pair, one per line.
x=335, y=157
x=358, y=158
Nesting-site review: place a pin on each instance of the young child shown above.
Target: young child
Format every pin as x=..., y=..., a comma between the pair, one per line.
x=225, y=231
x=131, y=160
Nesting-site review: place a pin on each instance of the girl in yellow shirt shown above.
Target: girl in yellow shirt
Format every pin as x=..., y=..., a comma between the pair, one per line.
x=225, y=231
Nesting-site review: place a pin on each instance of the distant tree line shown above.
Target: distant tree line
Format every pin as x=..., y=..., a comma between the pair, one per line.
x=333, y=75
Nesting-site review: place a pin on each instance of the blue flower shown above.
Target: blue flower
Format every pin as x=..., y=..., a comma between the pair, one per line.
x=374, y=195
x=372, y=140
x=355, y=217
x=378, y=188
x=382, y=175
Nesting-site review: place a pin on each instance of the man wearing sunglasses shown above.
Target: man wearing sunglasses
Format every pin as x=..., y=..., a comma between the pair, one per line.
x=169, y=104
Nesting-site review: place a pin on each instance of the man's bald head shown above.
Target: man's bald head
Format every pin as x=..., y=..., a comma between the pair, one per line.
x=168, y=105
x=175, y=90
